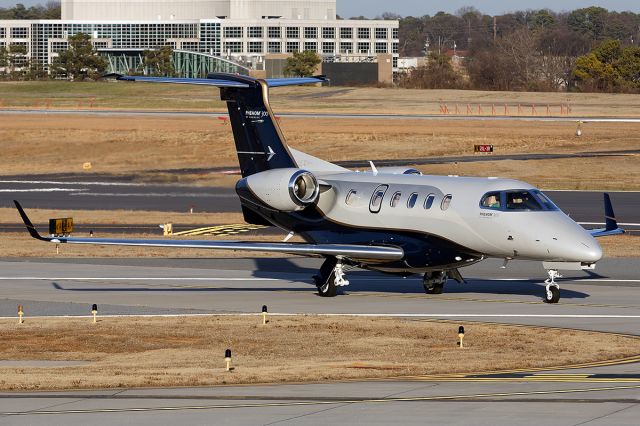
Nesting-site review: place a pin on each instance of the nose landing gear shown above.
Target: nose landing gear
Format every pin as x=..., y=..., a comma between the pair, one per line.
x=552, y=294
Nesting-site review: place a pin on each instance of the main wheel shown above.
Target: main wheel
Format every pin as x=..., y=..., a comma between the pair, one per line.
x=437, y=288
x=328, y=288
x=553, y=295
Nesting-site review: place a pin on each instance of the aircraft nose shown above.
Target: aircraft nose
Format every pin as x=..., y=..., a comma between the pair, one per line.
x=592, y=252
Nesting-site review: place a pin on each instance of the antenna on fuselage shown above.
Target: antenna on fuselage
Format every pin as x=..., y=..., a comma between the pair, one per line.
x=374, y=170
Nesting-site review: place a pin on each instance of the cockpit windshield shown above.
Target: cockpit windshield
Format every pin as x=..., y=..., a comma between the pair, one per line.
x=517, y=200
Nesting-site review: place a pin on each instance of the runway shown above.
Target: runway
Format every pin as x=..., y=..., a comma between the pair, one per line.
x=606, y=299
x=74, y=193
x=148, y=113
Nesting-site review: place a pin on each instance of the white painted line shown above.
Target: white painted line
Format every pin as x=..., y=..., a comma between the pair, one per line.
x=612, y=280
x=406, y=315
x=47, y=182
x=43, y=190
x=155, y=194
x=134, y=279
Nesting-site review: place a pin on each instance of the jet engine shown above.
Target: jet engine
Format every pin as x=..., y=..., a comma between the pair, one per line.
x=282, y=189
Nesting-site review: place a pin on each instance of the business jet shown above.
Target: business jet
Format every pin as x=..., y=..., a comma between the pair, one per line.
x=392, y=220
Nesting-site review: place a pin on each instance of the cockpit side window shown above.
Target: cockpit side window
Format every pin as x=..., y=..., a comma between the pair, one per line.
x=522, y=200
x=491, y=200
x=376, y=199
x=545, y=201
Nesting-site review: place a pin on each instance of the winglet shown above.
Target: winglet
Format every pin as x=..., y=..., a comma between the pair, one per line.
x=611, y=224
x=27, y=222
x=609, y=215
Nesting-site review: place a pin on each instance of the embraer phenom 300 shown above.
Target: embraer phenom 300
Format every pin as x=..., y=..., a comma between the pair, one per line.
x=391, y=220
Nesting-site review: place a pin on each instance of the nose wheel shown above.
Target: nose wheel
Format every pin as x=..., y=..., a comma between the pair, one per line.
x=552, y=294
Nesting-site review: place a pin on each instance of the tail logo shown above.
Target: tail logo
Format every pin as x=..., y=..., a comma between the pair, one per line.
x=270, y=153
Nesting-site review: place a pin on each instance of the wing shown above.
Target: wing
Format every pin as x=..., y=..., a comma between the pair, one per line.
x=353, y=252
x=611, y=224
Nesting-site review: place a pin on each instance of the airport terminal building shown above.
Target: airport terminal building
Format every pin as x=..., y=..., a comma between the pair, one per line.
x=239, y=34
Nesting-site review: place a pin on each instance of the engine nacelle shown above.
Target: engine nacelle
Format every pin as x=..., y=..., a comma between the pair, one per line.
x=283, y=189
x=398, y=171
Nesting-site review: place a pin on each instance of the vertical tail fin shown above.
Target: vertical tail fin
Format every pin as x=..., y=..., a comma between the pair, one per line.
x=259, y=141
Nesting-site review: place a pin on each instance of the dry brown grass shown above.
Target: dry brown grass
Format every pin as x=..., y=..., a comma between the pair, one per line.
x=142, y=352
x=312, y=99
x=145, y=146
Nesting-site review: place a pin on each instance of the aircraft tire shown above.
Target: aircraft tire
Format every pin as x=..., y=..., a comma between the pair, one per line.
x=436, y=289
x=328, y=288
x=555, y=295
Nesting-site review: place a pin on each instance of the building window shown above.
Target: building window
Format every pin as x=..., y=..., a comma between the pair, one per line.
x=191, y=46
x=311, y=46
x=293, y=32
x=233, y=47
x=364, y=33
x=255, y=47
x=293, y=46
x=20, y=32
x=104, y=45
x=381, y=33
x=59, y=46
x=395, y=62
x=310, y=32
x=364, y=47
x=255, y=32
x=274, y=32
x=346, y=47
x=328, y=48
x=395, y=33
x=395, y=47
x=328, y=32
x=381, y=48
x=233, y=32
x=3, y=33
x=274, y=47
x=346, y=32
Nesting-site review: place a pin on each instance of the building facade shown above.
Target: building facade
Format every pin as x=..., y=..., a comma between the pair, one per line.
x=243, y=31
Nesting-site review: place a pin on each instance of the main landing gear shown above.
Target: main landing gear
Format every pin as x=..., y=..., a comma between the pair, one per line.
x=552, y=294
x=433, y=282
x=330, y=278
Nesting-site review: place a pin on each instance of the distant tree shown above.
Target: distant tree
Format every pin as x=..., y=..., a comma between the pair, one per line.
x=302, y=64
x=80, y=60
x=159, y=62
x=438, y=73
x=50, y=11
x=590, y=21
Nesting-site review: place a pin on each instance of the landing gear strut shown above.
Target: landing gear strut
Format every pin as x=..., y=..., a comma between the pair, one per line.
x=552, y=294
x=330, y=278
x=433, y=282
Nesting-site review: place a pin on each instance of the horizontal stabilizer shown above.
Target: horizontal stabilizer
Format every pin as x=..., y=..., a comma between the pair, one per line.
x=354, y=252
x=222, y=80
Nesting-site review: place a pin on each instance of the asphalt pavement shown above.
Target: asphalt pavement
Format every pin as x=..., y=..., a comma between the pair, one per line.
x=606, y=299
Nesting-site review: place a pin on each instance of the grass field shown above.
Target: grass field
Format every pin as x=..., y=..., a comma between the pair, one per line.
x=123, y=95
x=144, y=352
